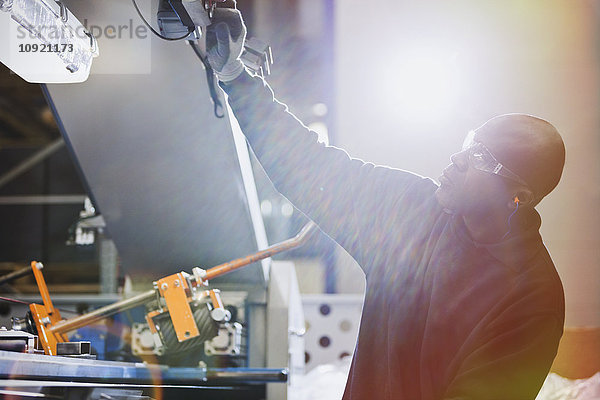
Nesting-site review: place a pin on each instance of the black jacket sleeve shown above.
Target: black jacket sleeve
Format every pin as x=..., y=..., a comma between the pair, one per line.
x=346, y=197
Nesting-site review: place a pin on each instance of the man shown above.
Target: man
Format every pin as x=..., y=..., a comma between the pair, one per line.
x=462, y=299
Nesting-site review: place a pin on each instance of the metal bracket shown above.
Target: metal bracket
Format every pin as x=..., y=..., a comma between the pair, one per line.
x=227, y=342
x=173, y=289
x=45, y=316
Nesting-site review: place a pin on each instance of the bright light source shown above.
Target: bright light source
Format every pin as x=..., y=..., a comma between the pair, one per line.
x=46, y=43
x=420, y=85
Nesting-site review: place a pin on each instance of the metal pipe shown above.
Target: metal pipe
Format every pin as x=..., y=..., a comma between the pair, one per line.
x=103, y=312
x=43, y=199
x=247, y=375
x=229, y=266
x=15, y=274
x=31, y=161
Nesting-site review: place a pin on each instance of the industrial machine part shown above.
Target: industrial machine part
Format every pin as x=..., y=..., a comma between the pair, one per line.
x=172, y=338
x=84, y=231
x=228, y=341
x=142, y=341
x=183, y=312
x=184, y=19
x=44, y=316
x=178, y=18
x=81, y=370
x=19, y=341
x=74, y=349
x=170, y=177
x=57, y=377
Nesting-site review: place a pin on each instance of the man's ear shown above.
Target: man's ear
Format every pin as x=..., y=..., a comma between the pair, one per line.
x=522, y=198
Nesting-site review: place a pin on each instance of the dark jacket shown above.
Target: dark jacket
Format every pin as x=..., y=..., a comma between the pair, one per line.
x=444, y=317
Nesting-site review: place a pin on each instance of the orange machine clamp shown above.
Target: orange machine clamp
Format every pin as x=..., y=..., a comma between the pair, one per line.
x=45, y=316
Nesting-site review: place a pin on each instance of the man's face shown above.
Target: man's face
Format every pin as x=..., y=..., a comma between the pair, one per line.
x=465, y=189
x=524, y=150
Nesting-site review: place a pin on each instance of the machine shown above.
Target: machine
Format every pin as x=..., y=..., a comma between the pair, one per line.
x=182, y=315
x=168, y=170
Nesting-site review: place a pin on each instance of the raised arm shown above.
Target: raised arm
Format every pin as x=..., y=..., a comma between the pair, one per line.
x=346, y=197
x=343, y=195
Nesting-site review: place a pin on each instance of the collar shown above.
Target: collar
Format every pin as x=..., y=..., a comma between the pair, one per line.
x=517, y=249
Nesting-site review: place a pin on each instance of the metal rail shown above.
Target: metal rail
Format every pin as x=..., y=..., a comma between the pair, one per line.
x=22, y=368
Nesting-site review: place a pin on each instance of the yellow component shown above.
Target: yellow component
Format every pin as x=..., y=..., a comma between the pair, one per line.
x=174, y=289
x=149, y=320
x=43, y=321
x=215, y=298
x=45, y=316
x=41, y=283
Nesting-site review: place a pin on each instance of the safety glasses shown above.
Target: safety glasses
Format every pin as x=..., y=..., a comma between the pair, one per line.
x=482, y=159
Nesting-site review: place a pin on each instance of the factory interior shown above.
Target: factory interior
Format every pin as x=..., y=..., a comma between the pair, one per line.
x=144, y=251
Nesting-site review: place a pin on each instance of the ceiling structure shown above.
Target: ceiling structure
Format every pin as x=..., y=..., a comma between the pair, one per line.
x=25, y=118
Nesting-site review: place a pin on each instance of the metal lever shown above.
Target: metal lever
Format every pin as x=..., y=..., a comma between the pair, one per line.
x=227, y=267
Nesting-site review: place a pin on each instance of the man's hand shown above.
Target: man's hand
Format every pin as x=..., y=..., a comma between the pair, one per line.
x=225, y=42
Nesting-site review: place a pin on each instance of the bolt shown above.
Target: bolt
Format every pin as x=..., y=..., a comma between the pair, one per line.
x=187, y=333
x=176, y=282
x=45, y=320
x=39, y=265
x=164, y=286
